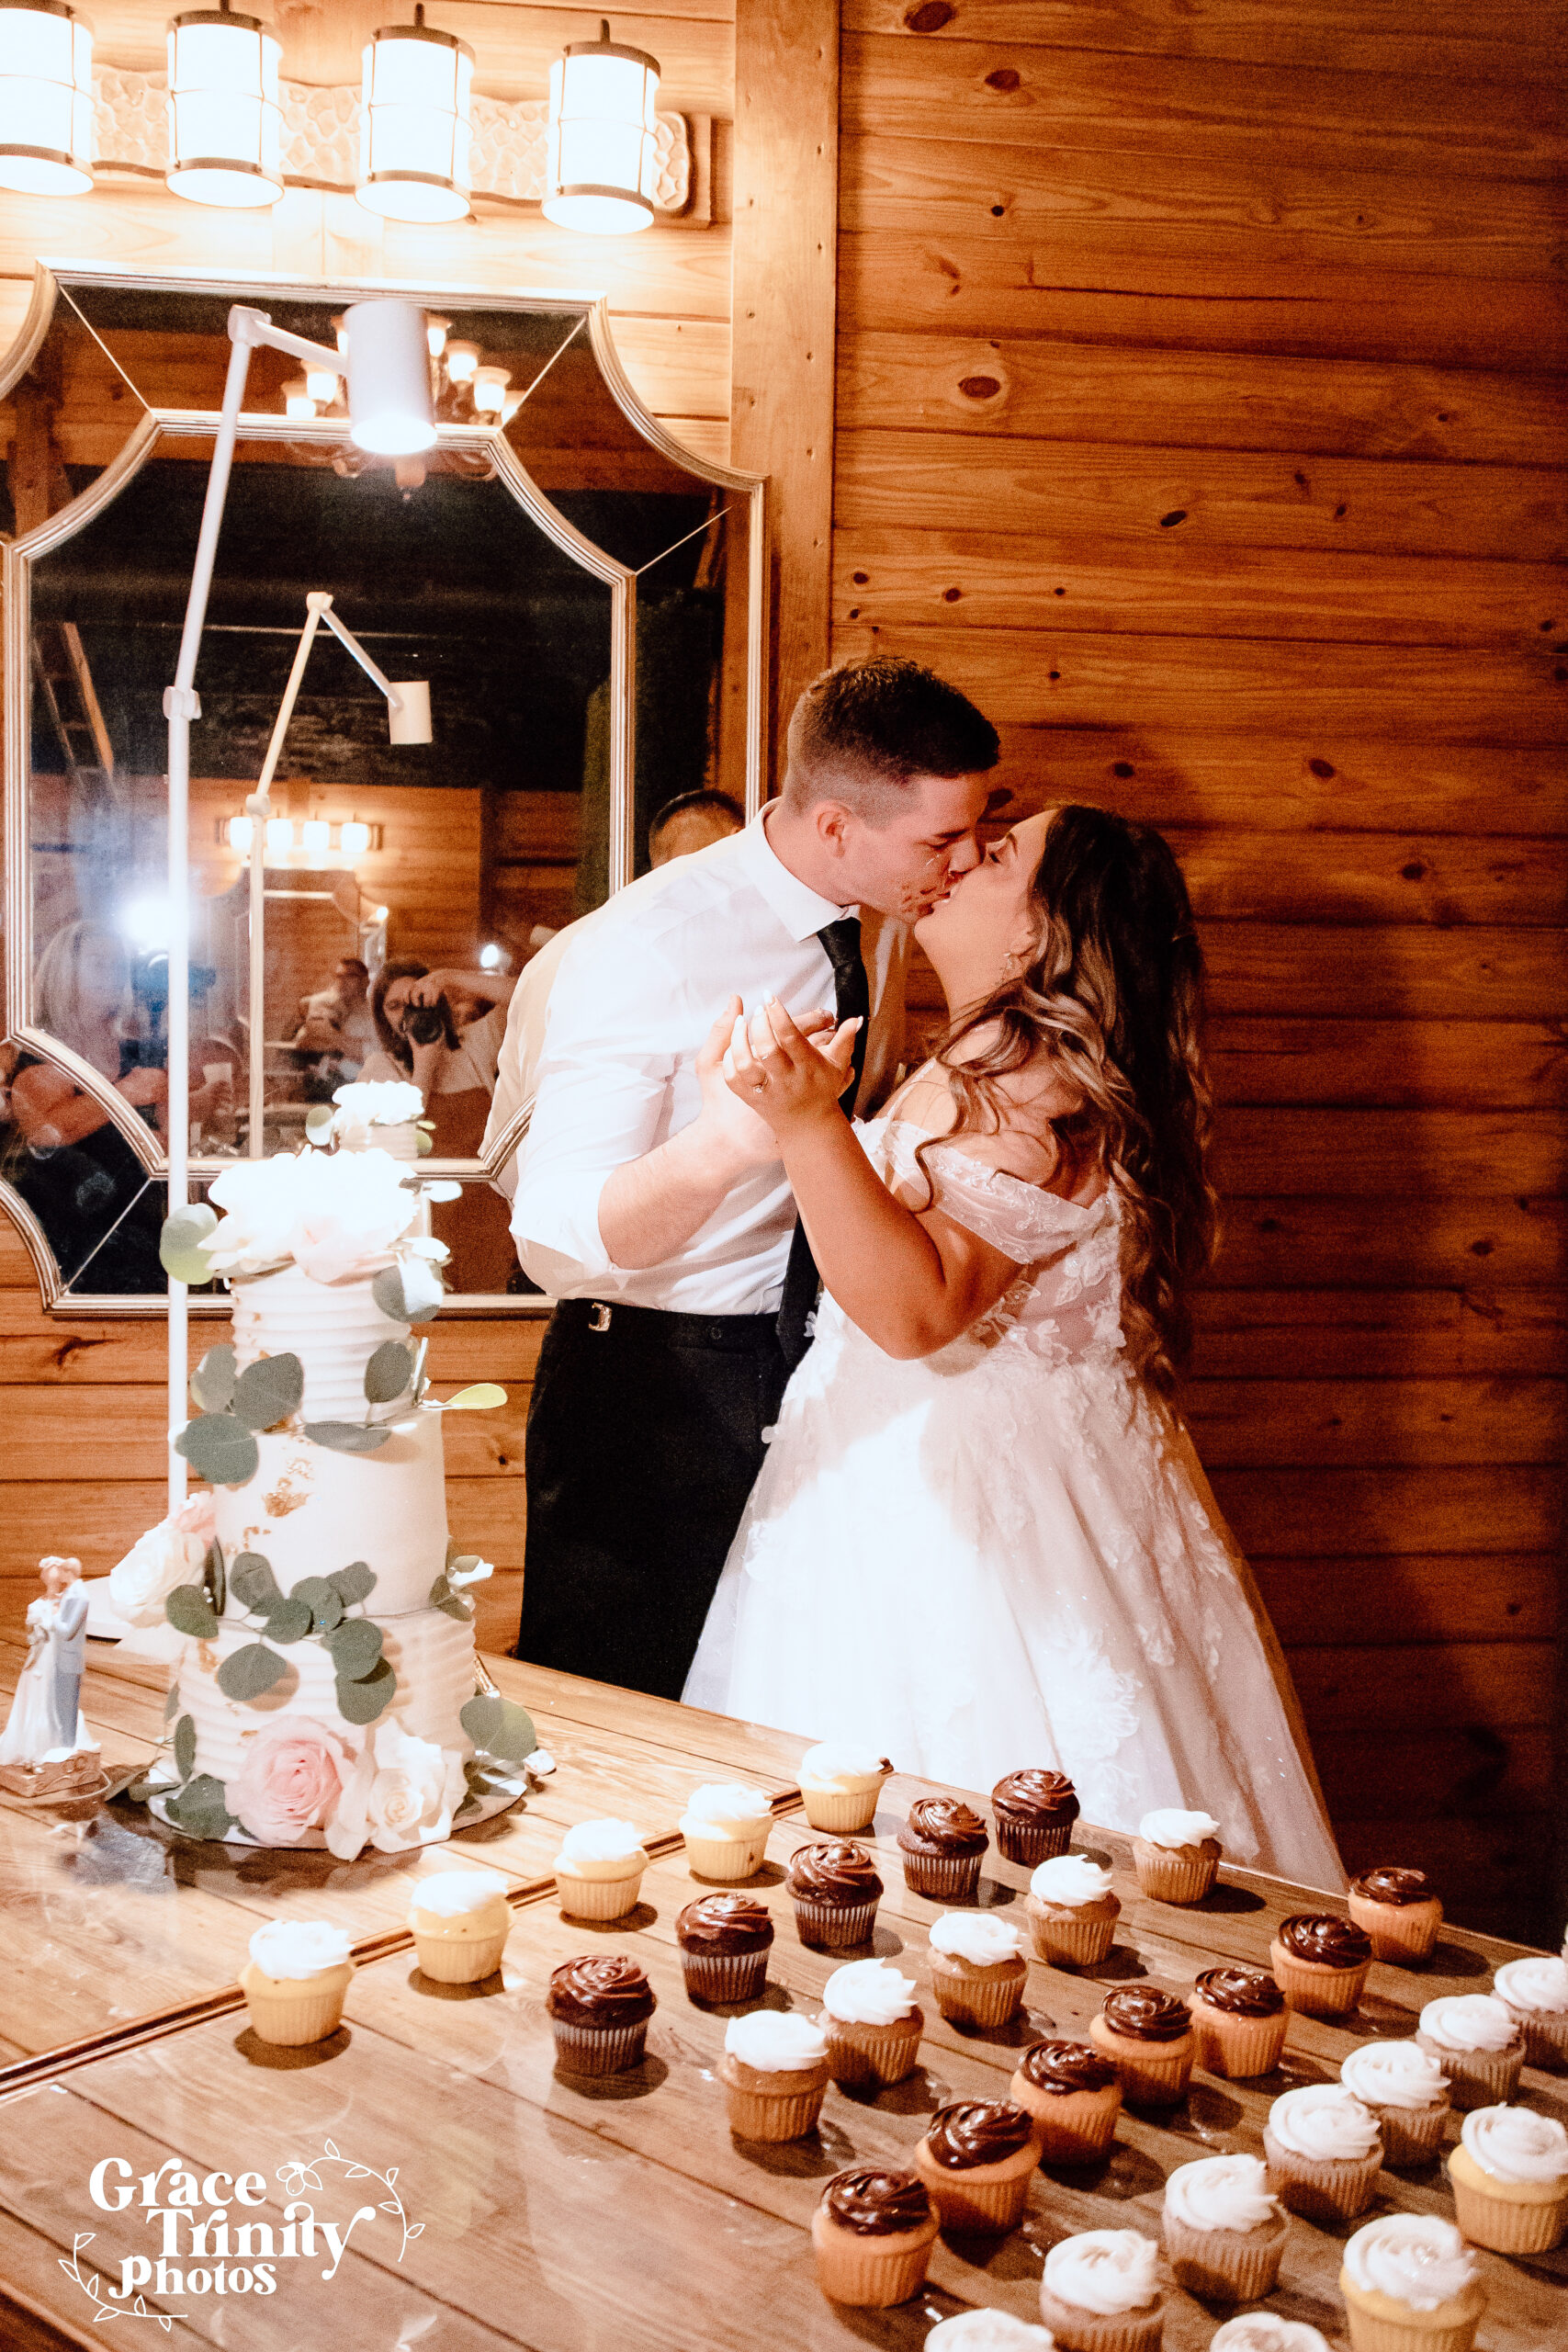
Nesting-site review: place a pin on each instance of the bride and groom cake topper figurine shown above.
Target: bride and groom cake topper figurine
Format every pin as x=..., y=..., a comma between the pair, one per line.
x=44, y=1750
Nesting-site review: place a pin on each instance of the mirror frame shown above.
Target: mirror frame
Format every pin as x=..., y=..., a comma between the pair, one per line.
x=19, y=554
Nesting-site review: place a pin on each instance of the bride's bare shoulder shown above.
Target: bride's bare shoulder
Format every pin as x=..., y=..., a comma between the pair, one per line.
x=1025, y=1142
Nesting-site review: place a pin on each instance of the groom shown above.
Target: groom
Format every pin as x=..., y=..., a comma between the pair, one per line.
x=652, y=1203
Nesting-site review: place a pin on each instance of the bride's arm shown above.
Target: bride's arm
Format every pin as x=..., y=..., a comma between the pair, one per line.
x=912, y=1280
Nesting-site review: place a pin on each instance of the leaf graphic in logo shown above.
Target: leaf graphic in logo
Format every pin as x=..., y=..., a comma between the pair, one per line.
x=329, y=2148
x=392, y=2175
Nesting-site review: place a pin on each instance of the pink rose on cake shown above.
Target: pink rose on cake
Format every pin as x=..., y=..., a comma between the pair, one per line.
x=291, y=1779
x=173, y=1553
x=404, y=1793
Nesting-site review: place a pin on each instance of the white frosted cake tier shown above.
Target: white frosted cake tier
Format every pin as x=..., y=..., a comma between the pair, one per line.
x=431, y=1656
x=308, y=1510
x=335, y=1329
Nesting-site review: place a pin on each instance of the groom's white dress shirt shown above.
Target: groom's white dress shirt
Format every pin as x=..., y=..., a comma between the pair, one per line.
x=605, y=1030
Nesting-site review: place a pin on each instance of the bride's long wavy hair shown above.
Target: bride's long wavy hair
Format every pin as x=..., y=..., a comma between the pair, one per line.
x=1112, y=991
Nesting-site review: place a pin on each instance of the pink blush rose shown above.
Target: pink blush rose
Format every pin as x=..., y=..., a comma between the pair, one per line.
x=290, y=1781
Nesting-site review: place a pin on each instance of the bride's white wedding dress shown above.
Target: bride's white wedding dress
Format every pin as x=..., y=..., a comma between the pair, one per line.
x=1007, y=1554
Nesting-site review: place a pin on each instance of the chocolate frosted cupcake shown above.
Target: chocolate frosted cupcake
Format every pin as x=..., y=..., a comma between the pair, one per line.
x=1075, y=2096
x=725, y=1941
x=941, y=1845
x=1148, y=2037
x=835, y=1890
x=1035, y=1813
x=976, y=2158
x=1398, y=1909
x=600, y=2007
x=1239, y=2017
x=1321, y=1961
x=873, y=2235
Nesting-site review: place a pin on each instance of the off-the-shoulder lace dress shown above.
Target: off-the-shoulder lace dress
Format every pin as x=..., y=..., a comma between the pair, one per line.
x=1007, y=1554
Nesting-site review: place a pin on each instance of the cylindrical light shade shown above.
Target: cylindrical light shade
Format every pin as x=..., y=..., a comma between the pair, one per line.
x=356, y=839
x=410, y=723
x=415, y=123
x=239, y=832
x=225, y=123
x=316, y=836
x=388, y=378
x=297, y=401
x=279, y=836
x=46, y=99
x=490, y=389
x=601, y=167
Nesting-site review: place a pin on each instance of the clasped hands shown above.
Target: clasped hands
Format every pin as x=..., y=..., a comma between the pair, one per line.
x=764, y=1077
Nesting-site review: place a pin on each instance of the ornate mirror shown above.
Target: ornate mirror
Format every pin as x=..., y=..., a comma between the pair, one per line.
x=582, y=598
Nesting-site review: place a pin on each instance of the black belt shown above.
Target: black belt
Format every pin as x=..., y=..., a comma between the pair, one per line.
x=734, y=1334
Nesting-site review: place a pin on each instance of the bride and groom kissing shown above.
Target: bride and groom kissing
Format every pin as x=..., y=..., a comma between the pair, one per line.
x=856, y=1414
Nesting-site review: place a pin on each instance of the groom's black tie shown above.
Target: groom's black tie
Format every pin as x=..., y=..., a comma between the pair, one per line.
x=851, y=999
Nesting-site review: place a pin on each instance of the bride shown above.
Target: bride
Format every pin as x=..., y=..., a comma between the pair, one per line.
x=982, y=1538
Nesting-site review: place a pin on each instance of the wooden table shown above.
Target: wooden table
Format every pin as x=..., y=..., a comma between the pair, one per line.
x=547, y=2213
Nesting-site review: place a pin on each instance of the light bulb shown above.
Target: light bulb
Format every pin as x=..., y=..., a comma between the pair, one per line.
x=240, y=830
x=297, y=400
x=356, y=839
x=322, y=383
x=435, y=333
x=462, y=362
x=316, y=835
x=279, y=836
x=381, y=914
x=490, y=389
x=490, y=958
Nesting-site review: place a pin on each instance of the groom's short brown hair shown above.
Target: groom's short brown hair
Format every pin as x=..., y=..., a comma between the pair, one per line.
x=862, y=733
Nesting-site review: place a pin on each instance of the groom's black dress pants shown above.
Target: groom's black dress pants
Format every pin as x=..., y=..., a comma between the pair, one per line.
x=645, y=1438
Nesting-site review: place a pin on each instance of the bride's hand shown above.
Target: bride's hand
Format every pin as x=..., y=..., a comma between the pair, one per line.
x=792, y=1078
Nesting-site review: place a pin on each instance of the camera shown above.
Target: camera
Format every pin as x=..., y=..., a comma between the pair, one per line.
x=424, y=1024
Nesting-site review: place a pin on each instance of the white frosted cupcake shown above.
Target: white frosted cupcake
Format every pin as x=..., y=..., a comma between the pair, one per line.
x=1177, y=1854
x=1325, y=2151
x=1262, y=2332
x=873, y=2023
x=1509, y=2177
x=1476, y=2040
x=460, y=1921
x=725, y=1826
x=1071, y=1911
x=295, y=1979
x=775, y=2073
x=1100, y=2292
x=987, y=2330
x=1224, y=2231
x=1535, y=1991
x=599, y=1869
x=1411, y=2284
x=979, y=1967
x=841, y=1784
x=1406, y=2089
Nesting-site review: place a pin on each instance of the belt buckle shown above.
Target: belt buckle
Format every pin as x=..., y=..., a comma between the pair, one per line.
x=598, y=1316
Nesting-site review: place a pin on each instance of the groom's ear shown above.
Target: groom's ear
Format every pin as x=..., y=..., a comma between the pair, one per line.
x=833, y=822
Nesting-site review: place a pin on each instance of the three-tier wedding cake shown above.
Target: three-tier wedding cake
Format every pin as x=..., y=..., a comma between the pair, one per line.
x=325, y=1692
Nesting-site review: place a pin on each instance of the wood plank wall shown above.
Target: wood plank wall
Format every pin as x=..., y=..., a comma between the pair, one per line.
x=1198, y=413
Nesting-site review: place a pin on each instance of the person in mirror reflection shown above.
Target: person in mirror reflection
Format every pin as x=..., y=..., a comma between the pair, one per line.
x=693, y=821
x=982, y=1533
x=652, y=1204
x=337, y=1022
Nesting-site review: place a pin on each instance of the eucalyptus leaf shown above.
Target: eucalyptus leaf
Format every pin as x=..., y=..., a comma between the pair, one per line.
x=172, y=1704
x=212, y=1382
x=248, y=1672
x=184, y=1747
x=410, y=1292
x=322, y=1601
x=482, y=1397
x=180, y=1251
x=139, y=1790
x=420, y=1382
x=189, y=1610
x=349, y=1437
x=219, y=1449
x=199, y=1808
x=498, y=1726
x=459, y=1564
x=361, y=1701
x=439, y=1591
x=252, y=1581
x=288, y=1621
x=388, y=1374
x=267, y=1392
x=355, y=1647
x=356, y=1582
x=453, y=1607
x=213, y=1577
x=424, y=1144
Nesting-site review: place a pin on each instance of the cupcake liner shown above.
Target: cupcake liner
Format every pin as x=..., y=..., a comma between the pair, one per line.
x=460, y=1959
x=872, y=2273
x=1546, y=2036
x=1154, y=2074
x=1314, y=1988
x=599, y=2049
x=1170, y=1874
x=726, y=1856
x=1401, y=1932
x=979, y=1996
x=1237, y=2047
x=1032, y=1843
x=1377, y=2324
x=1230, y=2266
x=1080, y=2331
x=944, y=1878
x=292, y=2011
x=787, y=2112
x=725, y=1976
x=833, y=1924
x=855, y=1809
x=1478, y=2077
x=1489, y=2216
x=598, y=1898
x=1321, y=2189
x=988, y=2199
x=1412, y=2136
x=880, y=2054
x=1065, y=1937
x=1072, y=2126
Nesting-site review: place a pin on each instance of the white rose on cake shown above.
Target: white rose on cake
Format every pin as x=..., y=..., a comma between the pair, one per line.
x=367, y=1103
x=335, y=1213
x=257, y=1198
x=404, y=1793
x=173, y=1553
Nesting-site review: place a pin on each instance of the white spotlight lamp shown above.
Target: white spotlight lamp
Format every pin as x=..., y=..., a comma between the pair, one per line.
x=46, y=99
x=389, y=380
x=462, y=362
x=225, y=122
x=601, y=167
x=415, y=123
x=490, y=389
